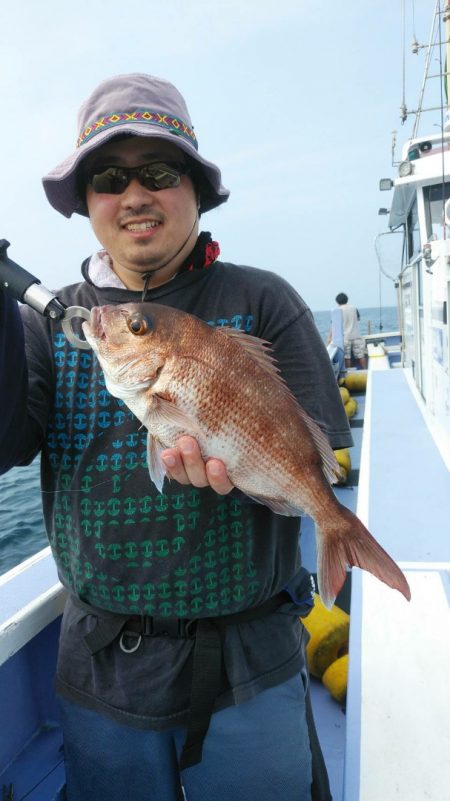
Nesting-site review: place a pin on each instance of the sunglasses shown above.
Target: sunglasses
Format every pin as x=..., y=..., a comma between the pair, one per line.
x=154, y=176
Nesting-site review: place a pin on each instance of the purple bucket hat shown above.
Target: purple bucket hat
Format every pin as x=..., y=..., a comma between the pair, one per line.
x=140, y=105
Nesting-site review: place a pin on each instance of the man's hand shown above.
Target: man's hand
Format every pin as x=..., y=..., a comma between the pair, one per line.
x=185, y=464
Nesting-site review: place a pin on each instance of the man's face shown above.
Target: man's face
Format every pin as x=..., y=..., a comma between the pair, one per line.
x=143, y=230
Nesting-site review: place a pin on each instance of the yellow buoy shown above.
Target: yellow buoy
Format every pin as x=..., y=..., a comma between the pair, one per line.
x=328, y=630
x=343, y=457
x=356, y=381
x=345, y=394
x=351, y=407
x=335, y=678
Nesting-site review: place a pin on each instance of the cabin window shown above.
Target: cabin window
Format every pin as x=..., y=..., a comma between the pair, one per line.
x=413, y=234
x=434, y=198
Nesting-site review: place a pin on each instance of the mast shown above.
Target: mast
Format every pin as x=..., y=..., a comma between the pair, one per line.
x=446, y=20
x=427, y=65
x=446, y=76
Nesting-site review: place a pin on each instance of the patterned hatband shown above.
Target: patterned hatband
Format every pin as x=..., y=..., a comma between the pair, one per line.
x=173, y=124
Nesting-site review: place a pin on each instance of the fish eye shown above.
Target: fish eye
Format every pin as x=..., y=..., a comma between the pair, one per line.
x=139, y=324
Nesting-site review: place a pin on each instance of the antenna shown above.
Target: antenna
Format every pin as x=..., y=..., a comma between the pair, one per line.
x=430, y=46
x=393, y=146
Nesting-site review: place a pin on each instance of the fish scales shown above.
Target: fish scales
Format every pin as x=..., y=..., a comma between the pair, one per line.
x=238, y=418
x=179, y=375
x=235, y=418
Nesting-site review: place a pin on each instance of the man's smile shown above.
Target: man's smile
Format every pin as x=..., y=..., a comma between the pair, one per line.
x=142, y=226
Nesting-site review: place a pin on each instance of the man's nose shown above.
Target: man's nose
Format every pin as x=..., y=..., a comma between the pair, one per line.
x=136, y=195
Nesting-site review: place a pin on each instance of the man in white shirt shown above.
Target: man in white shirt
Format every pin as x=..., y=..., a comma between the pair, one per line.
x=353, y=341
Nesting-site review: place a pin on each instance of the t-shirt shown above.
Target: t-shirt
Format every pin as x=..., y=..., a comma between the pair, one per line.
x=350, y=322
x=122, y=546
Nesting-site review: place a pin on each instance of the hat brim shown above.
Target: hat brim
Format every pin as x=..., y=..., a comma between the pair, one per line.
x=62, y=188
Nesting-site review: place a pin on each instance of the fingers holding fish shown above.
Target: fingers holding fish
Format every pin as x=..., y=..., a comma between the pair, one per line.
x=185, y=464
x=217, y=477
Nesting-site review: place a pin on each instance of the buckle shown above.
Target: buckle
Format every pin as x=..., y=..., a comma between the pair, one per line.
x=177, y=628
x=188, y=628
x=133, y=635
x=145, y=626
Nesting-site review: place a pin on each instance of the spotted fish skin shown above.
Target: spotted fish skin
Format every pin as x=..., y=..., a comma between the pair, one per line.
x=180, y=376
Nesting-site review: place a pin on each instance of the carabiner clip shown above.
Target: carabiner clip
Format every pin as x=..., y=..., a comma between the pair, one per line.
x=131, y=635
x=66, y=324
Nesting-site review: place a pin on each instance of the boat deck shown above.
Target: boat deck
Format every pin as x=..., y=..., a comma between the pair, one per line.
x=398, y=711
x=330, y=717
x=395, y=734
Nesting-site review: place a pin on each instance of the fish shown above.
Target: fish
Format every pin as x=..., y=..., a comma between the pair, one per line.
x=181, y=376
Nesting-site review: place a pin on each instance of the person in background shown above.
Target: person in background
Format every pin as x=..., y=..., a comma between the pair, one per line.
x=353, y=341
x=181, y=669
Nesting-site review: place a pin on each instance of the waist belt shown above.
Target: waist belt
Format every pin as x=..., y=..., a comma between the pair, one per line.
x=206, y=670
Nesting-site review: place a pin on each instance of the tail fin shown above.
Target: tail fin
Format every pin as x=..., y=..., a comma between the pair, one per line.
x=352, y=545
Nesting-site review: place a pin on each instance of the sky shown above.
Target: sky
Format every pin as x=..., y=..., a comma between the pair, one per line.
x=295, y=100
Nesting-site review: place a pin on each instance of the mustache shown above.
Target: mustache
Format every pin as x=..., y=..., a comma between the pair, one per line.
x=143, y=211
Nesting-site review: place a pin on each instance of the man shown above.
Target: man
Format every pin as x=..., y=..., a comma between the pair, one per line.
x=353, y=341
x=181, y=667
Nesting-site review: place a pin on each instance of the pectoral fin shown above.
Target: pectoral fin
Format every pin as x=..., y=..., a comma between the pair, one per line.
x=164, y=413
x=156, y=466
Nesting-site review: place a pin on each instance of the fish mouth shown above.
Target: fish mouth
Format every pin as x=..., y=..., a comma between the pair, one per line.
x=96, y=323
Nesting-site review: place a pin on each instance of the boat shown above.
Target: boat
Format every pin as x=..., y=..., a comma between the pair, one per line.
x=391, y=738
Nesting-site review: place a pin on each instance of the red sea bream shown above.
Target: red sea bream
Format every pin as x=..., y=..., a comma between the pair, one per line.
x=179, y=376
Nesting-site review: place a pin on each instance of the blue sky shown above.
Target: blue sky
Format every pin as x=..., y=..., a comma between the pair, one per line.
x=295, y=100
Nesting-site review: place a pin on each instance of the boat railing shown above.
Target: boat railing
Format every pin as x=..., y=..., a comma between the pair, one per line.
x=31, y=597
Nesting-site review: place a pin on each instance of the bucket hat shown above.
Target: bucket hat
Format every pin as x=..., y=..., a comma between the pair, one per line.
x=140, y=105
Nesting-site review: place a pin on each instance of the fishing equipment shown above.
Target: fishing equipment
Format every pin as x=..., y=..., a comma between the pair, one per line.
x=343, y=457
x=329, y=631
x=26, y=288
x=355, y=381
x=345, y=394
x=335, y=678
x=351, y=407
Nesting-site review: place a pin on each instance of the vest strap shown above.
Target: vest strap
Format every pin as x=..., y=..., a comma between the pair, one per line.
x=207, y=662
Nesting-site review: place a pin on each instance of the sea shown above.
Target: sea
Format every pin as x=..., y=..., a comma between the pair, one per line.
x=21, y=526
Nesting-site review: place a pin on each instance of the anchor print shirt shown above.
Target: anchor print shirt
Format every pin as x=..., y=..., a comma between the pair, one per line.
x=121, y=546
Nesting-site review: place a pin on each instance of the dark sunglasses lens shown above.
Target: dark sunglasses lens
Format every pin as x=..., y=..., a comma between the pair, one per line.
x=159, y=176
x=112, y=181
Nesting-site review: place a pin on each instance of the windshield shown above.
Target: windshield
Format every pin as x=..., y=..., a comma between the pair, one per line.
x=434, y=199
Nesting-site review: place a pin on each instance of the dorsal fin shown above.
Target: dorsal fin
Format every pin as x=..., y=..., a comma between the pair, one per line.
x=330, y=464
x=261, y=352
x=258, y=349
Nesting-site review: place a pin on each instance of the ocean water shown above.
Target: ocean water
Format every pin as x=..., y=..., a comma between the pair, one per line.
x=21, y=526
x=372, y=320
